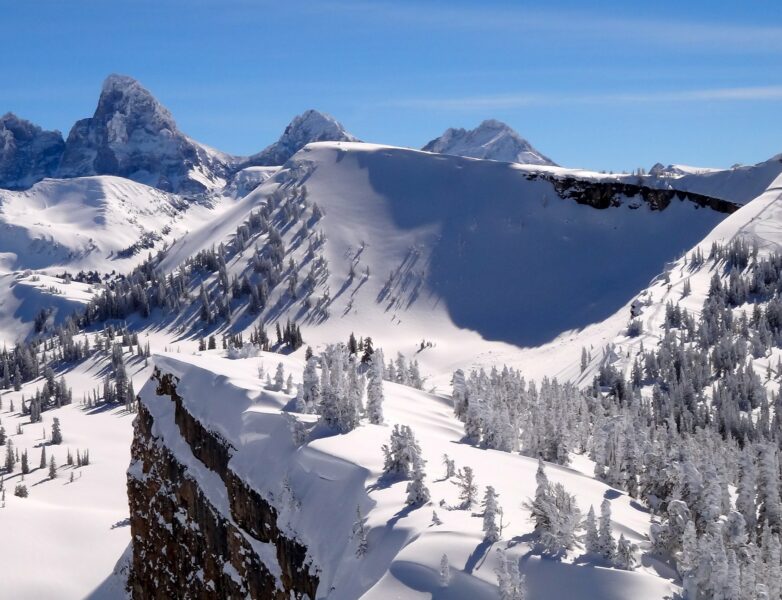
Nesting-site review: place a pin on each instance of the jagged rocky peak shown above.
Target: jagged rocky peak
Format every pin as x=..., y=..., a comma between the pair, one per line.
x=27, y=152
x=492, y=140
x=132, y=135
x=310, y=126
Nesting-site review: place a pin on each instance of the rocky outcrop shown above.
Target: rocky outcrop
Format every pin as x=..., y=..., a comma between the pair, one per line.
x=491, y=140
x=132, y=135
x=604, y=194
x=27, y=152
x=184, y=546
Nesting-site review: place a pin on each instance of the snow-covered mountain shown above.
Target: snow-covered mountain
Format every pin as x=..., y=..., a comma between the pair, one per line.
x=491, y=140
x=27, y=152
x=257, y=471
x=311, y=126
x=132, y=135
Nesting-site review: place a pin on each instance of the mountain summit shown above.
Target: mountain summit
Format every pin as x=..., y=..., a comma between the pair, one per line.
x=492, y=140
x=311, y=126
x=132, y=135
x=27, y=152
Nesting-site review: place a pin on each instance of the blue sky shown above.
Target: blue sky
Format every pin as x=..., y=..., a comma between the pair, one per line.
x=608, y=85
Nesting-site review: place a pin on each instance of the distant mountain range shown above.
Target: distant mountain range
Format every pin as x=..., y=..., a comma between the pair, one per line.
x=132, y=135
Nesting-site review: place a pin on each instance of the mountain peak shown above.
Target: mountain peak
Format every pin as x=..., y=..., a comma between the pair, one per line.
x=491, y=140
x=28, y=153
x=310, y=126
x=133, y=135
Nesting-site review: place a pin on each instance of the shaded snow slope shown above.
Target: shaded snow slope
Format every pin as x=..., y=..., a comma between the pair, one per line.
x=331, y=475
x=492, y=140
x=453, y=232
x=24, y=295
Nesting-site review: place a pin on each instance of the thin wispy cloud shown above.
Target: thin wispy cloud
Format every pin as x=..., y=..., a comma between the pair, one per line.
x=508, y=101
x=572, y=26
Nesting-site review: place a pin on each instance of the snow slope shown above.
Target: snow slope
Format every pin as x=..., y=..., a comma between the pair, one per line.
x=404, y=547
x=87, y=223
x=77, y=529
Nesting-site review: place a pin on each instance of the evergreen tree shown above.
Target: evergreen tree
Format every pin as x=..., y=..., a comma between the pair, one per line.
x=360, y=533
x=375, y=394
x=591, y=543
x=445, y=571
x=56, y=433
x=417, y=492
x=625, y=553
x=605, y=541
x=52, y=468
x=468, y=490
x=509, y=581
x=491, y=529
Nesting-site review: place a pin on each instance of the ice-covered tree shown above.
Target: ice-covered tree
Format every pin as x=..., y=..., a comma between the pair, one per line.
x=606, y=543
x=591, y=543
x=375, y=395
x=279, y=377
x=417, y=492
x=625, y=554
x=509, y=581
x=401, y=453
x=445, y=571
x=468, y=490
x=491, y=512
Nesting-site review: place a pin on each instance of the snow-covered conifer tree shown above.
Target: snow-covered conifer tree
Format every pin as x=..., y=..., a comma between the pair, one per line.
x=375, y=388
x=625, y=553
x=509, y=581
x=606, y=542
x=468, y=490
x=417, y=492
x=591, y=543
x=491, y=510
x=445, y=571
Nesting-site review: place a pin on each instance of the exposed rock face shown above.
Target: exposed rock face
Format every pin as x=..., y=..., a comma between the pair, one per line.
x=312, y=126
x=183, y=545
x=27, y=152
x=492, y=140
x=604, y=194
x=132, y=135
